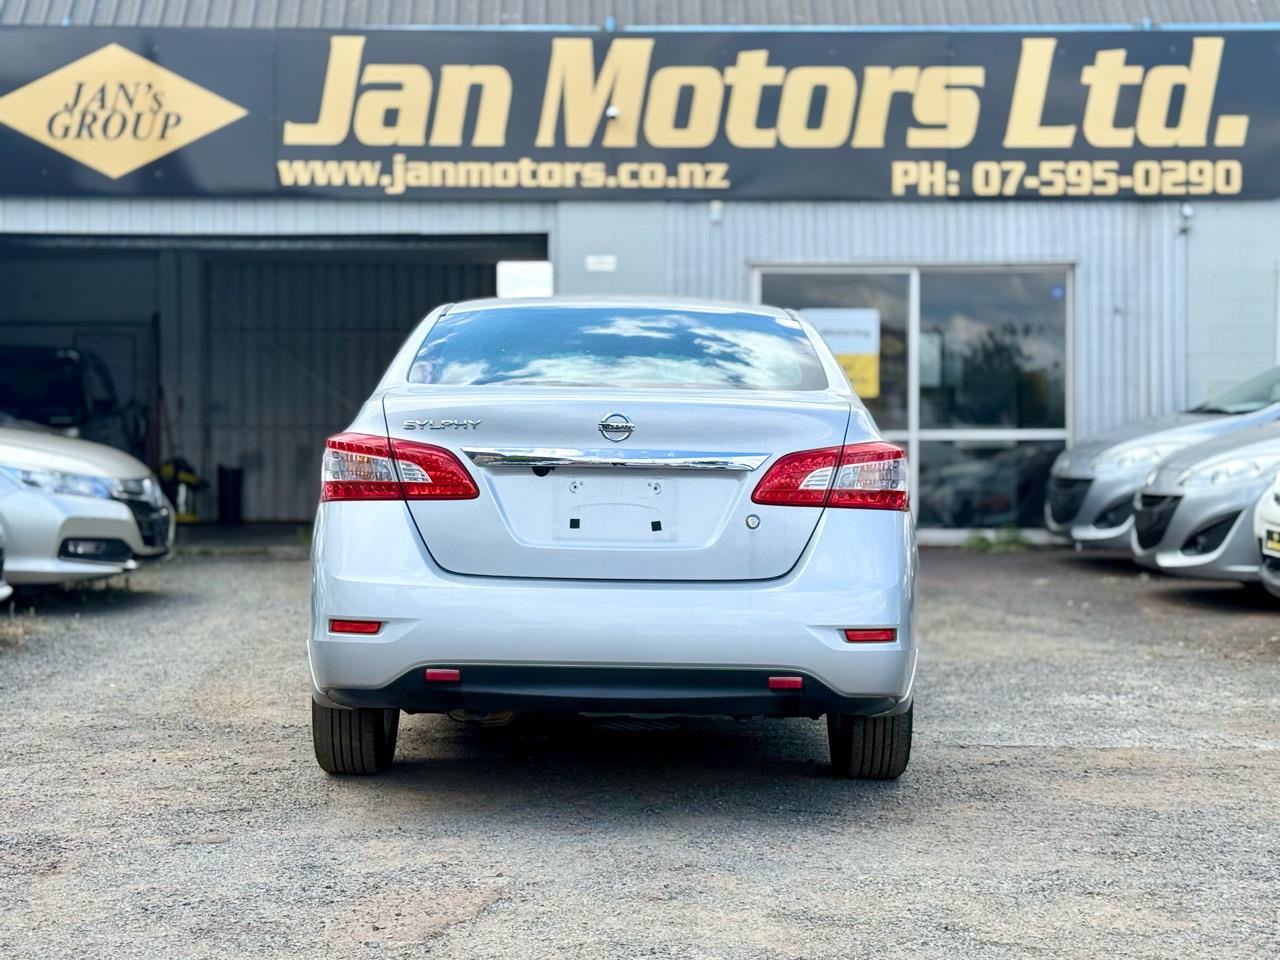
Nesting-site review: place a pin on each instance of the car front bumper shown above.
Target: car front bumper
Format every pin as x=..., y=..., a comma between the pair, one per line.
x=1266, y=517
x=37, y=524
x=857, y=571
x=1196, y=510
x=1101, y=496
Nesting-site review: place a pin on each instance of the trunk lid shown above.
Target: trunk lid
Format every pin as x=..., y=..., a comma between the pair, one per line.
x=668, y=500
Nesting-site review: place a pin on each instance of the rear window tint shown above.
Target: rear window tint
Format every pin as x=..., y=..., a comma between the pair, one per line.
x=619, y=347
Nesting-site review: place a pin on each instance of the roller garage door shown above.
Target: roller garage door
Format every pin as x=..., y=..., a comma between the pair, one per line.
x=295, y=344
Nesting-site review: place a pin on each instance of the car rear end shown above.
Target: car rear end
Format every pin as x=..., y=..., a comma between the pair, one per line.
x=583, y=540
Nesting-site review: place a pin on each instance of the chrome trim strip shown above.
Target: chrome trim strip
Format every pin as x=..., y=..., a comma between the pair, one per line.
x=627, y=459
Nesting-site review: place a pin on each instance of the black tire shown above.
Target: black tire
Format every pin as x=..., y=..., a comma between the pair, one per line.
x=869, y=748
x=354, y=741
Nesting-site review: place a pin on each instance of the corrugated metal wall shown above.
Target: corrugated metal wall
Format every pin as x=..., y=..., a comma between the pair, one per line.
x=1129, y=341
x=295, y=346
x=267, y=217
x=593, y=13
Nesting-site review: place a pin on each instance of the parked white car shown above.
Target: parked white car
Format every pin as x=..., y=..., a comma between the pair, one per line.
x=1266, y=531
x=74, y=510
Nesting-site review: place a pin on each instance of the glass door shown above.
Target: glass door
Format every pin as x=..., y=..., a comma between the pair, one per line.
x=970, y=373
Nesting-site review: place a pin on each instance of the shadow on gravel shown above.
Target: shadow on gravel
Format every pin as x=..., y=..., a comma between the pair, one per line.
x=89, y=599
x=750, y=771
x=1101, y=562
x=1225, y=598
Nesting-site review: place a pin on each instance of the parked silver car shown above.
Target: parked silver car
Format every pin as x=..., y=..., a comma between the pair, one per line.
x=1194, y=515
x=1091, y=486
x=75, y=510
x=613, y=507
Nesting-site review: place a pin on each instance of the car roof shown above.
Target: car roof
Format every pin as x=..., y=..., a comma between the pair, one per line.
x=691, y=304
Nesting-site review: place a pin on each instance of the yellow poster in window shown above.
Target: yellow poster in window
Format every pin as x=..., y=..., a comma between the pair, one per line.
x=853, y=334
x=863, y=371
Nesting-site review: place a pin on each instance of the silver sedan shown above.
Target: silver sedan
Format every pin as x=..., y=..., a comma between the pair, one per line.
x=1194, y=515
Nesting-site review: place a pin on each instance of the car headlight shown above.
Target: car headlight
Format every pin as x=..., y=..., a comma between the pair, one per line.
x=1132, y=459
x=1231, y=470
x=57, y=481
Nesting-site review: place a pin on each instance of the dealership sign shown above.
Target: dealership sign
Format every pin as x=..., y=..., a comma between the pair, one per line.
x=534, y=114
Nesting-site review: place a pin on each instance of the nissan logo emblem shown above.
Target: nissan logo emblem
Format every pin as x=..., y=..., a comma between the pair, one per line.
x=616, y=427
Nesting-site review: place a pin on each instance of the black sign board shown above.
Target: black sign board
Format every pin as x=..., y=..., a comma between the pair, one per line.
x=694, y=115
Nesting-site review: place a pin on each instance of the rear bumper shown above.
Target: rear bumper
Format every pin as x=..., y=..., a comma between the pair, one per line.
x=614, y=690
x=857, y=571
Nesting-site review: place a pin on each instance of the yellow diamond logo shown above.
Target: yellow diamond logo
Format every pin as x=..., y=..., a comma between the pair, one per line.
x=115, y=111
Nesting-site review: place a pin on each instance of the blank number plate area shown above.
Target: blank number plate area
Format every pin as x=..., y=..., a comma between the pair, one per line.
x=625, y=509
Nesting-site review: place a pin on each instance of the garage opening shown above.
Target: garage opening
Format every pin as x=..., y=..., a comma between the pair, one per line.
x=238, y=356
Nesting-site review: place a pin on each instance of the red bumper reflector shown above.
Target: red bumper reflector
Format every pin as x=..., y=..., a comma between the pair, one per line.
x=786, y=683
x=880, y=635
x=441, y=675
x=355, y=626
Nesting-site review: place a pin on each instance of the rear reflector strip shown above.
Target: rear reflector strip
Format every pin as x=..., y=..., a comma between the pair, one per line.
x=884, y=635
x=442, y=675
x=355, y=626
x=786, y=683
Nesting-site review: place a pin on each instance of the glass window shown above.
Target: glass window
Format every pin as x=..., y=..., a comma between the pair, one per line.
x=42, y=385
x=619, y=347
x=888, y=294
x=984, y=483
x=993, y=348
x=1262, y=391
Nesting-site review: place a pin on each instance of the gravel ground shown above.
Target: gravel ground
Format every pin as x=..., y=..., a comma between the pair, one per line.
x=1096, y=774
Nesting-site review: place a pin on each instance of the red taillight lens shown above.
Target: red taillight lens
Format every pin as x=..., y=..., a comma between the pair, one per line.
x=432, y=473
x=870, y=475
x=798, y=479
x=358, y=467
x=355, y=626
x=362, y=467
x=886, y=635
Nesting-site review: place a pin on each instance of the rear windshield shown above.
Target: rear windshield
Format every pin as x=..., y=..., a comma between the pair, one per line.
x=618, y=347
x=1261, y=391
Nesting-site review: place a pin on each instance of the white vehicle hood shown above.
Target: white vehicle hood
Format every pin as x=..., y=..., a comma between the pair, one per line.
x=46, y=451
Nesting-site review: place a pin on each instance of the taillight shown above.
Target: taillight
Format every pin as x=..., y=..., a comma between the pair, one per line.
x=870, y=475
x=358, y=467
x=362, y=467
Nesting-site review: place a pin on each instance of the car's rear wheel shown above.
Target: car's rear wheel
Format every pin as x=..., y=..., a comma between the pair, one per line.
x=869, y=748
x=354, y=741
